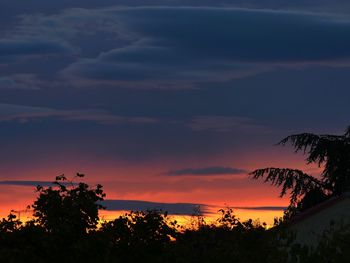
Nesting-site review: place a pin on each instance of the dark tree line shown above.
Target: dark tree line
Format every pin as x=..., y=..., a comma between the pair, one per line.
x=65, y=228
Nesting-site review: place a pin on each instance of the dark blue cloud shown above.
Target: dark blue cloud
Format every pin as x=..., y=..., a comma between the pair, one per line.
x=31, y=183
x=174, y=208
x=19, y=82
x=171, y=208
x=20, y=48
x=192, y=121
x=142, y=47
x=242, y=34
x=204, y=44
x=206, y=171
x=262, y=208
x=15, y=7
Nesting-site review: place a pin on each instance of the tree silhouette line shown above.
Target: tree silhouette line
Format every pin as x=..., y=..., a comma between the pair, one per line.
x=66, y=227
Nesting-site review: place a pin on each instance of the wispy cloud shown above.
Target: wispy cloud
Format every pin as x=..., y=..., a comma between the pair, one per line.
x=12, y=49
x=30, y=183
x=20, y=82
x=226, y=124
x=262, y=208
x=10, y=112
x=207, y=171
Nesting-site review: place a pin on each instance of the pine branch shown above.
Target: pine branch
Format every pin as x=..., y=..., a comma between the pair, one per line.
x=317, y=147
x=295, y=180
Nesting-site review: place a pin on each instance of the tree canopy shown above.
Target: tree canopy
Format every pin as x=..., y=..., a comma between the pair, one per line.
x=68, y=208
x=331, y=152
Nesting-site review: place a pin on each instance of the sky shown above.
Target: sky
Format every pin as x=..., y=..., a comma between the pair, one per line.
x=167, y=103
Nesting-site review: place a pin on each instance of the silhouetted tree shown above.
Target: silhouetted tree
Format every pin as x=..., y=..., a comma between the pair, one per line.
x=332, y=152
x=68, y=214
x=69, y=208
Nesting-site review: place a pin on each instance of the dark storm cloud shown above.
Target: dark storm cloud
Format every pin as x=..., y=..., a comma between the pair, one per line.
x=207, y=171
x=171, y=208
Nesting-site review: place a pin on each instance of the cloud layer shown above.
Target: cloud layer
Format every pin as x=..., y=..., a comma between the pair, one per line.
x=171, y=208
x=9, y=112
x=201, y=44
x=31, y=183
x=142, y=47
x=207, y=171
x=19, y=48
x=226, y=124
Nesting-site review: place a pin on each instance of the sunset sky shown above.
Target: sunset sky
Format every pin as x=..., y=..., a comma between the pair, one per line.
x=167, y=101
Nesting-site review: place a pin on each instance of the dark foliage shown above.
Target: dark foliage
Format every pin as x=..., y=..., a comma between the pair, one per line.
x=331, y=152
x=70, y=211
x=290, y=179
x=65, y=229
x=230, y=240
x=138, y=236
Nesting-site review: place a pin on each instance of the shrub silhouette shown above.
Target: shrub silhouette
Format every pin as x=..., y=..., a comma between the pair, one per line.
x=70, y=210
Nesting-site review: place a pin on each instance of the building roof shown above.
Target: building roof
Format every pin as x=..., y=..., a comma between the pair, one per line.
x=318, y=208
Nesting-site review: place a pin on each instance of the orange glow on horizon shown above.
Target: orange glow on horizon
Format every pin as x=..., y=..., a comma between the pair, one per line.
x=210, y=216
x=187, y=221
x=123, y=180
x=262, y=216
